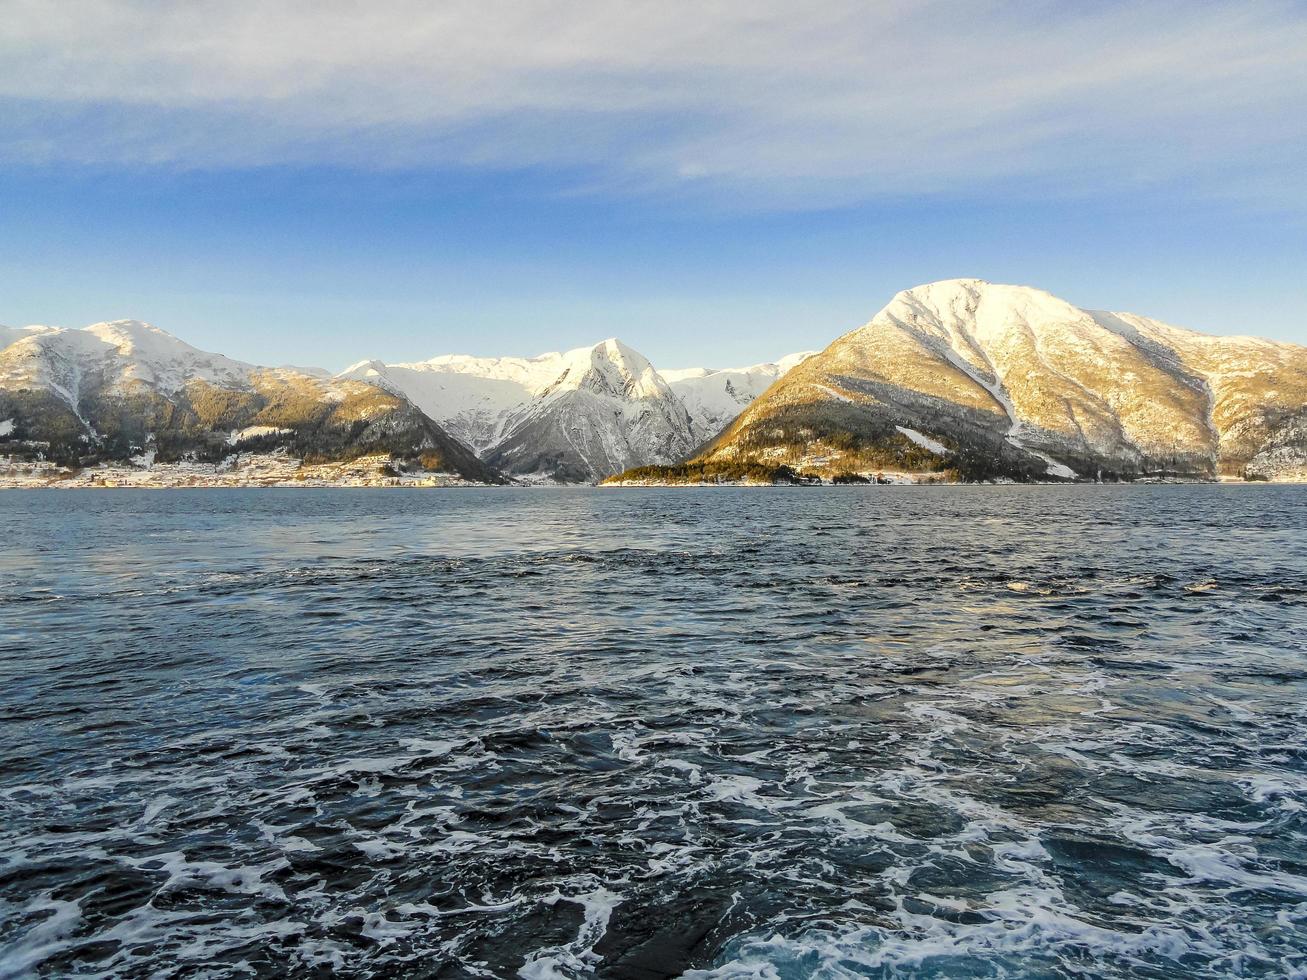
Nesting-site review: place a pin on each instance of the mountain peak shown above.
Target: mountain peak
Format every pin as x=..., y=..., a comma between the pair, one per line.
x=118, y=331
x=1009, y=380
x=621, y=353
x=951, y=289
x=975, y=307
x=140, y=339
x=362, y=367
x=140, y=352
x=610, y=367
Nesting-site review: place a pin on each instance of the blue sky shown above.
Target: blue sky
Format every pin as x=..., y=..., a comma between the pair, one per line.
x=319, y=184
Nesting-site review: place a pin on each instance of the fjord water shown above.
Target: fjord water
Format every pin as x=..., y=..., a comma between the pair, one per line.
x=838, y=732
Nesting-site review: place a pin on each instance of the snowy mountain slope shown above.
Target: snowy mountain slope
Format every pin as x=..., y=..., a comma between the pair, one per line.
x=11, y=335
x=111, y=389
x=607, y=410
x=112, y=358
x=575, y=416
x=1256, y=390
x=1016, y=382
x=471, y=396
x=715, y=397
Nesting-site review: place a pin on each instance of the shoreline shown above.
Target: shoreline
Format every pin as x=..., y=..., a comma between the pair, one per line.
x=905, y=480
x=1009, y=483
x=456, y=483
x=280, y=471
x=271, y=470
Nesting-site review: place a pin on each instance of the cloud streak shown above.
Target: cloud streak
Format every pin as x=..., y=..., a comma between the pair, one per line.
x=796, y=105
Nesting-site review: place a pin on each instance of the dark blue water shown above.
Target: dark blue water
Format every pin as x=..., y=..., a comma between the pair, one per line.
x=840, y=732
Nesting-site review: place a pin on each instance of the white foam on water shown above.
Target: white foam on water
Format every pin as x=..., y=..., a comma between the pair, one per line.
x=429, y=748
x=181, y=872
x=428, y=910
x=693, y=773
x=1024, y=934
x=383, y=930
x=578, y=956
x=42, y=940
x=744, y=790
x=907, y=802
x=154, y=808
x=1279, y=788
x=379, y=850
x=383, y=764
x=288, y=843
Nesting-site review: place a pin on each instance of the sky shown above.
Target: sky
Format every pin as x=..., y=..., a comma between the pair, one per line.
x=717, y=184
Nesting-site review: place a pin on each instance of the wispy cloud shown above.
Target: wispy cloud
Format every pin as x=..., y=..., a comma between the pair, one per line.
x=801, y=103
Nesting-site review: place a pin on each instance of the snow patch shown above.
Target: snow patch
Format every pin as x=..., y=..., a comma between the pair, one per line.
x=7, y=427
x=254, y=432
x=925, y=442
x=837, y=395
x=1055, y=468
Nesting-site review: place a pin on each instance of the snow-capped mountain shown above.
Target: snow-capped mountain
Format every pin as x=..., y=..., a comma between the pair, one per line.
x=110, y=389
x=114, y=390
x=714, y=397
x=961, y=378
x=110, y=358
x=994, y=380
x=575, y=416
x=473, y=397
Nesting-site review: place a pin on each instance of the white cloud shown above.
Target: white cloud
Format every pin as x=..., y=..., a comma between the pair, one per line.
x=805, y=103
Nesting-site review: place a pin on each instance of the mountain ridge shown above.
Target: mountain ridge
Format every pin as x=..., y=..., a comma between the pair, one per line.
x=126, y=390
x=575, y=416
x=957, y=379
x=1019, y=384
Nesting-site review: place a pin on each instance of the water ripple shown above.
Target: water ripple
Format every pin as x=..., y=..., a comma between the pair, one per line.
x=874, y=732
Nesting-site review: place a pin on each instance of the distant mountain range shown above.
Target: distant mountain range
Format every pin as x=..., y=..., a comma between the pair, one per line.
x=126, y=391
x=577, y=416
x=959, y=379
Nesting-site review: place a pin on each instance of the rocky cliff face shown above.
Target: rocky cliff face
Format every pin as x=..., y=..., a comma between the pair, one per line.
x=127, y=390
x=1008, y=381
